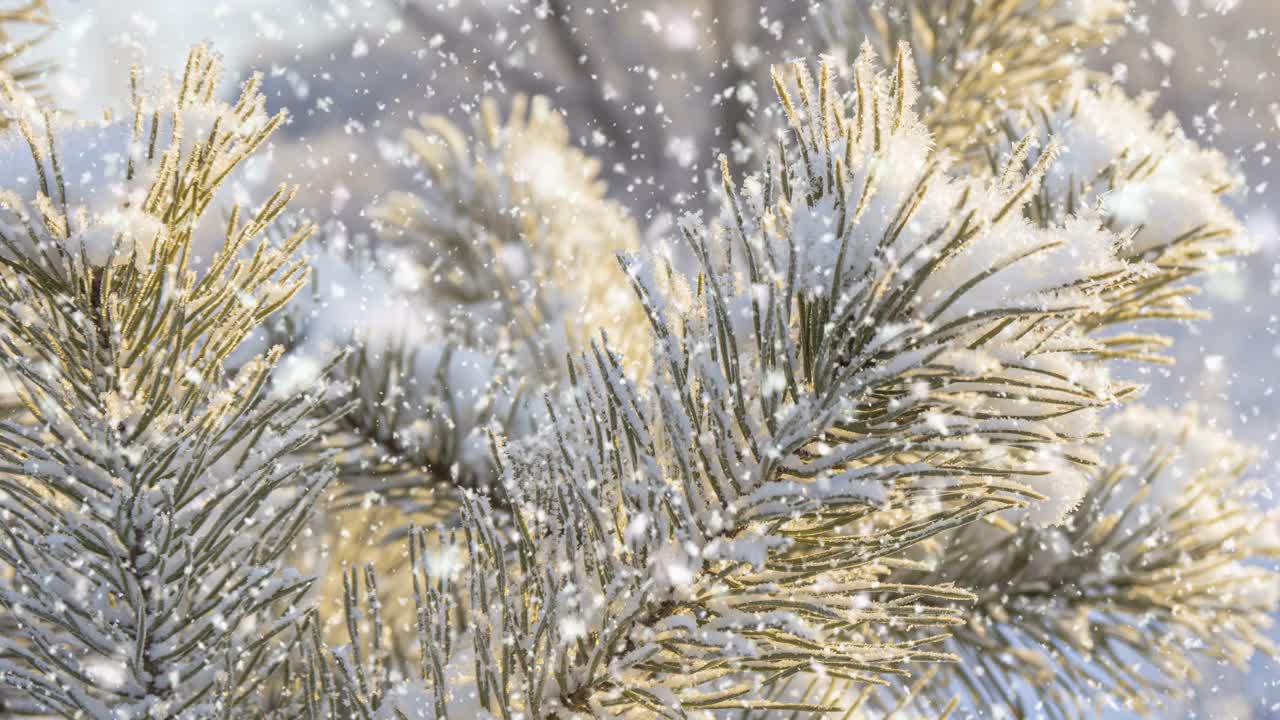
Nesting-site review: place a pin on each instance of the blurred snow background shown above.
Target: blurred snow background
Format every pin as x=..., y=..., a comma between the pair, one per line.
x=354, y=74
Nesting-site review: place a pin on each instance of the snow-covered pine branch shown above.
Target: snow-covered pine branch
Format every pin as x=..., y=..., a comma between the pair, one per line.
x=1155, y=577
x=977, y=58
x=513, y=228
x=503, y=265
x=407, y=428
x=1150, y=183
x=485, y=279
x=149, y=499
x=1008, y=78
x=23, y=25
x=872, y=352
x=419, y=388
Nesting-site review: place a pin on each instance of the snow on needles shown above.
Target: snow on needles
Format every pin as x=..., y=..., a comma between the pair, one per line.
x=871, y=340
x=101, y=180
x=159, y=488
x=1151, y=183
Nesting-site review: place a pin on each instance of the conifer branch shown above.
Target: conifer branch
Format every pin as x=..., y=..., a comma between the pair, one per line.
x=154, y=493
x=979, y=58
x=24, y=24
x=1151, y=577
x=689, y=544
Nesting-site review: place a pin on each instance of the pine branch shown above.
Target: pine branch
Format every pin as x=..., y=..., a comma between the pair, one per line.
x=687, y=545
x=512, y=238
x=1149, y=183
x=1013, y=69
x=24, y=24
x=518, y=216
x=979, y=58
x=1154, y=575
x=514, y=227
x=154, y=492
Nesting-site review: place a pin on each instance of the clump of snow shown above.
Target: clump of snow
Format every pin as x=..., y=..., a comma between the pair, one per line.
x=675, y=567
x=1189, y=452
x=1061, y=482
x=1147, y=178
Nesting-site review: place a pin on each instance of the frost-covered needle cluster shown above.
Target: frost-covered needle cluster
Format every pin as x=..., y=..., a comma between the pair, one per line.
x=149, y=493
x=847, y=445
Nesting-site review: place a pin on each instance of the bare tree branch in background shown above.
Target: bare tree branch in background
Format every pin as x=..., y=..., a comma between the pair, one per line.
x=429, y=25
x=607, y=115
